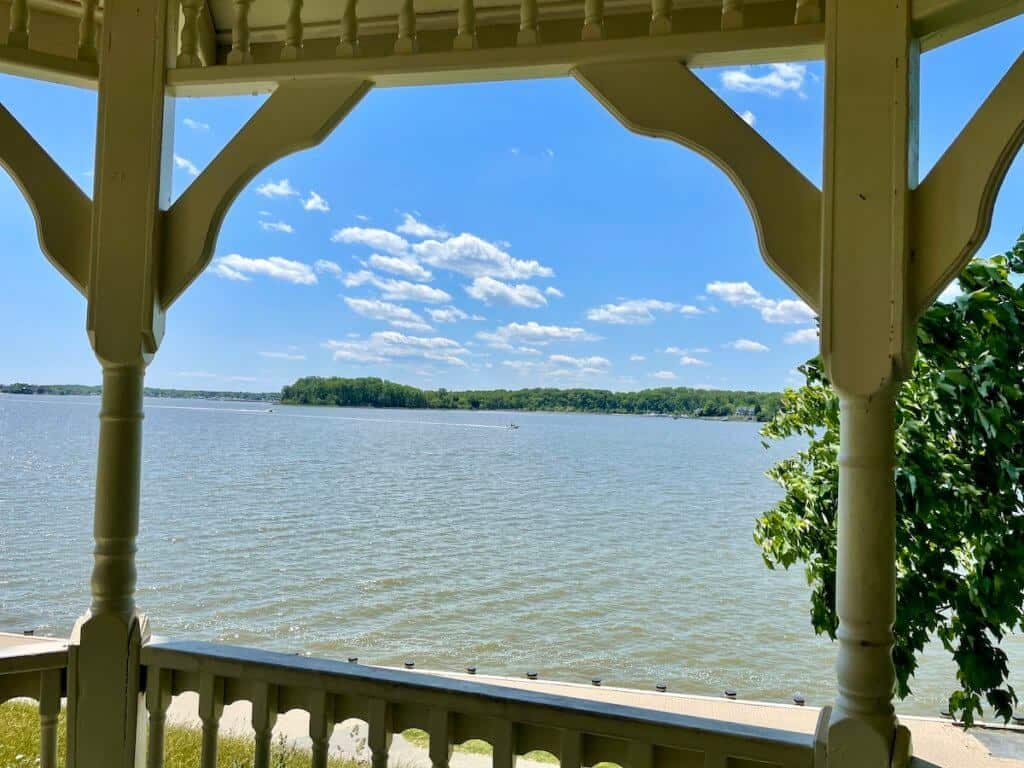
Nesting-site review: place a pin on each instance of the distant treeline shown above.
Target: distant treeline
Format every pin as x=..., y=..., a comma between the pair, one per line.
x=188, y=394
x=680, y=401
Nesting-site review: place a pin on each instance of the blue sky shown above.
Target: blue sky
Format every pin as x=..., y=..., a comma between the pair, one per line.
x=497, y=235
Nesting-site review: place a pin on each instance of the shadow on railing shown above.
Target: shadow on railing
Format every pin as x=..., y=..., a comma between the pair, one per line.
x=513, y=721
x=36, y=669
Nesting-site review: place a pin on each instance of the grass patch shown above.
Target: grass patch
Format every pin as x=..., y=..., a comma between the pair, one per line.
x=420, y=738
x=19, y=744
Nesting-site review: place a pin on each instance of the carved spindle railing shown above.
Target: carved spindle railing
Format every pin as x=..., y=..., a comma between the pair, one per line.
x=529, y=28
x=36, y=670
x=188, y=51
x=241, y=48
x=732, y=14
x=348, y=40
x=17, y=35
x=406, y=40
x=661, y=17
x=293, y=32
x=465, y=36
x=593, y=20
x=514, y=721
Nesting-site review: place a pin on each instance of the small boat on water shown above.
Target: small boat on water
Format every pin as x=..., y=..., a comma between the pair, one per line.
x=513, y=426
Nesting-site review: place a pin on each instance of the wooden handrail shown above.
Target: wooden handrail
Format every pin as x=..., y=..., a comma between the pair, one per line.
x=514, y=721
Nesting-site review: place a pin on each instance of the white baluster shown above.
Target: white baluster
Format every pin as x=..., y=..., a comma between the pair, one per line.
x=571, y=755
x=807, y=12
x=466, y=38
x=321, y=723
x=241, y=49
x=732, y=14
x=379, y=737
x=158, y=699
x=49, y=710
x=406, y=41
x=211, y=707
x=17, y=37
x=87, y=32
x=440, y=747
x=529, y=31
x=503, y=743
x=348, y=41
x=188, y=52
x=593, y=20
x=264, y=715
x=661, y=17
x=293, y=32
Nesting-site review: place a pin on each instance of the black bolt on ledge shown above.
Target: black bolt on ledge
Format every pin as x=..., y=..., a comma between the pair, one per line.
x=1018, y=719
x=410, y=664
x=595, y=681
x=353, y=659
x=28, y=632
x=531, y=675
x=471, y=670
x=799, y=699
x=661, y=687
x=730, y=693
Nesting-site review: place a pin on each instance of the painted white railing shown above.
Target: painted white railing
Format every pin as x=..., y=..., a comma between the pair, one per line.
x=513, y=721
x=36, y=670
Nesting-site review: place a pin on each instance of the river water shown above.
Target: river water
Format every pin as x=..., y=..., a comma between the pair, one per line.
x=575, y=546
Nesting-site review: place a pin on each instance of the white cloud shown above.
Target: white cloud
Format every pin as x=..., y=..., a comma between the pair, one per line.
x=630, y=312
x=325, y=267
x=746, y=345
x=471, y=256
x=414, y=228
x=398, y=290
x=688, y=360
x=786, y=311
x=593, y=363
x=637, y=358
x=362, y=217
x=491, y=291
x=554, y=292
x=388, y=346
x=769, y=80
x=315, y=203
x=400, y=317
x=749, y=118
x=803, y=336
x=527, y=351
x=276, y=226
x=282, y=188
x=234, y=266
x=195, y=125
x=447, y=315
x=405, y=266
x=532, y=333
x=664, y=375
x=690, y=310
x=282, y=355
x=378, y=239
x=186, y=165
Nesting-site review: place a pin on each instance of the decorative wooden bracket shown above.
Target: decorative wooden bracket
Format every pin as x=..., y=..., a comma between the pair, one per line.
x=63, y=212
x=665, y=100
x=952, y=208
x=298, y=115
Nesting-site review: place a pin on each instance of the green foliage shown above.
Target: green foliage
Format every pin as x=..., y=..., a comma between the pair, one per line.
x=960, y=510
x=378, y=393
x=19, y=388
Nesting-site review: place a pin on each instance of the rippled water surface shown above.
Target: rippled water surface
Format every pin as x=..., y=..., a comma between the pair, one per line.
x=575, y=546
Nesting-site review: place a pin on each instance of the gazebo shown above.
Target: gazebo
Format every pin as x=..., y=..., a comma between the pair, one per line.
x=868, y=253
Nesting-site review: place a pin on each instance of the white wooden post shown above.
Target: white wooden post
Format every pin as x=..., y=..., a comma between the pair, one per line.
x=125, y=325
x=870, y=154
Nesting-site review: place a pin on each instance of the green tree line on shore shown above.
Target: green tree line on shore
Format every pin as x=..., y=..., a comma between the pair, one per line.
x=19, y=388
x=683, y=401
